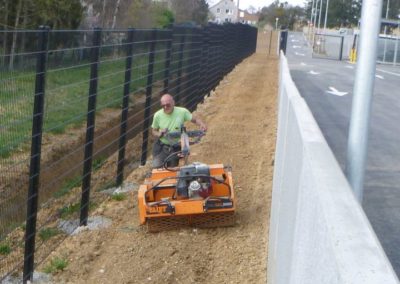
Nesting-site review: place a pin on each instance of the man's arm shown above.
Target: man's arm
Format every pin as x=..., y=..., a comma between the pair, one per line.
x=199, y=122
x=159, y=133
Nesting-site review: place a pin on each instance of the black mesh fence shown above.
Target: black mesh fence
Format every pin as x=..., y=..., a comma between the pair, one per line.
x=77, y=106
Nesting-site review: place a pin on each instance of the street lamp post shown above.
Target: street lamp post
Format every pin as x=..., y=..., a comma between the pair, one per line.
x=317, y=8
x=384, y=32
x=311, y=19
x=362, y=96
x=397, y=41
x=276, y=23
x=326, y=15
x=319, y=17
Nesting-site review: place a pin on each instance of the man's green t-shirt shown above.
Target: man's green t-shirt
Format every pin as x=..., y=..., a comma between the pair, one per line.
x=172, y=121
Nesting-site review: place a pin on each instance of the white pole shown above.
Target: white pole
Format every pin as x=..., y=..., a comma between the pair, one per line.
x=396, y=47
x=362, y=95
x=385, y=39
x=316, y=12
x=326, y=15
x=311, y=18
x=312, y=11
x=315, y=23
x=319, y=17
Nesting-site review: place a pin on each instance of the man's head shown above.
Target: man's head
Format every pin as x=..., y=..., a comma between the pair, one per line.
x=167, y=103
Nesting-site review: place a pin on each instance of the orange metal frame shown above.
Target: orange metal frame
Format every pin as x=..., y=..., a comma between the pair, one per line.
x=151, y=203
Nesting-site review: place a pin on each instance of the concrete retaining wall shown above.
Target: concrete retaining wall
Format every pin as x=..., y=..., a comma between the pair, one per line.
x=318, y=231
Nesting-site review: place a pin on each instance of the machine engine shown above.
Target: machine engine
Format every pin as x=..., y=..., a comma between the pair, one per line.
x=194, y=181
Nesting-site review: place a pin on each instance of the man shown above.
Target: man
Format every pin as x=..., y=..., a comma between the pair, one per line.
x=168, y=119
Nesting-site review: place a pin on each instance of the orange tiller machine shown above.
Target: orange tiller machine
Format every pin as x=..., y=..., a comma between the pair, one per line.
x=194, y=194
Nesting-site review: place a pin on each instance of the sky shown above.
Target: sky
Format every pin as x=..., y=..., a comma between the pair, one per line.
x=244, y=4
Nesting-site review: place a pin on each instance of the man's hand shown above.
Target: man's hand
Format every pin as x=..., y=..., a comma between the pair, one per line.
x=199, y=123
x=203, y=127
x=163, y=132
x=159, y=133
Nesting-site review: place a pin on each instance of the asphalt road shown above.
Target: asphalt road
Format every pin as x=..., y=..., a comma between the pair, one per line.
x=327, y=87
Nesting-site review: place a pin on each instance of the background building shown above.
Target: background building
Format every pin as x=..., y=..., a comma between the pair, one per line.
x=224, y=11
x=248, y=18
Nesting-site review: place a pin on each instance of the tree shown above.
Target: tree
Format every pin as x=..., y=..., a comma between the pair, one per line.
x=287, y=14
x=14, y=38
x=140, y=14
x=200, y=13
x=164, y=17
x=394, y=9
x=190, y=11
x=150, y=14
x=58, y=14
x=342, y=13
x=30, y=14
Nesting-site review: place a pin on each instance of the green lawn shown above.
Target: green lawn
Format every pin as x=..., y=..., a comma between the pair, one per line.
x=66, y=97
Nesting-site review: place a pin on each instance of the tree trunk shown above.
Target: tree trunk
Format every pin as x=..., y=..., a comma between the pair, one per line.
x=24, y=21
x=115, y=14
x=103, y=14
x=14, y=40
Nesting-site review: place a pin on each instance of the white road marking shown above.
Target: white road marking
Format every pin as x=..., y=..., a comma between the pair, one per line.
x=299, y=54
x=335, y=92
x=296, y=46
x=312, y=72
x=388, y=72
x=350, y=66
x=379, y=76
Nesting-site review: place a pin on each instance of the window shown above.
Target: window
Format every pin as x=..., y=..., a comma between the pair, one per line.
x=218, y=10
x=227, y=11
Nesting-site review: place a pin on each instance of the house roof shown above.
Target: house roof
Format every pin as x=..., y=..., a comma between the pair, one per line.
x=248, y=16
x=220, y=2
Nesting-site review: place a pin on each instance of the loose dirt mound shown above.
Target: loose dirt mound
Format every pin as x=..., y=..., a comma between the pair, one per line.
x=241, y=115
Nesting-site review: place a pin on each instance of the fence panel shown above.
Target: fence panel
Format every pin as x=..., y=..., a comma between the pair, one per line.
x=101, y=89
x=389, y=50
x=332, y=46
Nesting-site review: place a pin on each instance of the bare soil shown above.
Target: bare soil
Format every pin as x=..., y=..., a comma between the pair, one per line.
x=241, y=119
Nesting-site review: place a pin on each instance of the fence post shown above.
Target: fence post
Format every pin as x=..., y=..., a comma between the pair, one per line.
x=91, y=114
x=229, y=51
x=34, y=169
x=190, y=84
x=207, y=60
x=149, y=89
x=237, y=44
x=180, y=65
x=195, y=71
x=168, y=62
x=204, y=64
x=202, y=58
x=125, y=105
x=224, y=49
x=219, y=47
x=341, y=48
x=283, y=40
